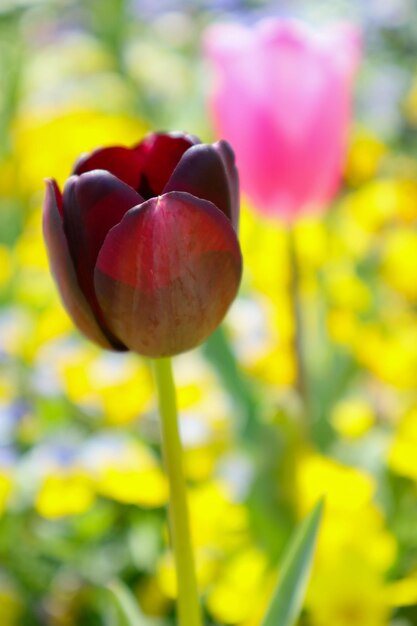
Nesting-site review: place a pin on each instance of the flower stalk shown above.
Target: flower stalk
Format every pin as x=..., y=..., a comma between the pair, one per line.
x=298, y=339
x=189, y=613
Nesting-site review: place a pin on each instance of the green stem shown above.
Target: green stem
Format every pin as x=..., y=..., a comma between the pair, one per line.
x=187, y=599
x=298, y=340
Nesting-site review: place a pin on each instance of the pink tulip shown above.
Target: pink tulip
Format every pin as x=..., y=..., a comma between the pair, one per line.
x=282, y=98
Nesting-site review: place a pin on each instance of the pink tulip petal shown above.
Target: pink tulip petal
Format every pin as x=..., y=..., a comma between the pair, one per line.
x=226, y=41
x=343, y=44
x=282, y=98
x=160, y=154
x=124, y=163
x=208, y=172
x=63, y=271
x=166, y=275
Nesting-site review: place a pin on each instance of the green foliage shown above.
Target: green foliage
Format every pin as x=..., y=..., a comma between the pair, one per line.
x=128, y=610
x=288, y=598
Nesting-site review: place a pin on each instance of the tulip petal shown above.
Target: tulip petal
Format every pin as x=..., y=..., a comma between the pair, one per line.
x=62, y=268
x=124, y=163
x=209, y=172
x=289, y=135
x=228, y=157
x=161, y=153
x=166, y=275
x=344, y=44
x=93, y=203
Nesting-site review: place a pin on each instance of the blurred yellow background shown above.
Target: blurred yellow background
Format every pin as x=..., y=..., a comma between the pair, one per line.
x=82, y=490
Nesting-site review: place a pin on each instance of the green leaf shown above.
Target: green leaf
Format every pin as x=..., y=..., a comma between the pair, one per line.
x=128, y=608
x=219, y=351
x=288, y=599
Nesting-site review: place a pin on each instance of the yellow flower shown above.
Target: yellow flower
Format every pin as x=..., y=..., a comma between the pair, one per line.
x=277, y=367
x=52, y=323
x=33, y=286
x=352, y=418
x=8, y=169
x=410, y=104
x=365, y=212
x=355, y=550
x=402, y=592
x=216, y=520
x=63, y=137
x=30, y=249
x=312, y=243
x=152, y=600
x=242, y=588
x=402, y=455
x=6, y=266
x=11, y=606
x=390, y=353
x=131, y=475
x=123, y=385
x=345, y=489
x=343, y=326
x=118, y=386
x=399, y=261
x=198, y=391
x=6, y=487
x=364, y=157
x=204, y=410
x=345, y=289
x=133, y=484
x=73, y=368
x=265, y=248
x=352, y=523
x=407, y=199
x=66, y=492
x=347, y=592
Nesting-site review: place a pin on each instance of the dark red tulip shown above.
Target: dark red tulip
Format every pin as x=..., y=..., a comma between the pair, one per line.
x=142, y=243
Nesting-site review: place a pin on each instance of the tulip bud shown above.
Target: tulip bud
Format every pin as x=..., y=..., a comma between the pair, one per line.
x=281, y=96
x=142, y=243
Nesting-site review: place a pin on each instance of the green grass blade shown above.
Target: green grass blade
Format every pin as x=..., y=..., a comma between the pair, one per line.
x=288, y=598
x=127, y=607
x=218, y=350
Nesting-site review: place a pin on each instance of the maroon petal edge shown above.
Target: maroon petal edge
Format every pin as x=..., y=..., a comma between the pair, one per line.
x=160, y=154
x=63, y=270
x=124, y=163
x=93, y=203
x=209, y=172
x=227, y=155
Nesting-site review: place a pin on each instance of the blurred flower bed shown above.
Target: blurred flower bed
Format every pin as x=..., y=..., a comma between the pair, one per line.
x=82, y=490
